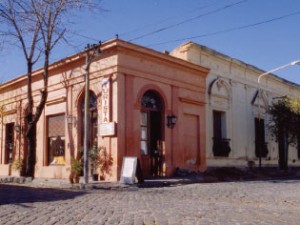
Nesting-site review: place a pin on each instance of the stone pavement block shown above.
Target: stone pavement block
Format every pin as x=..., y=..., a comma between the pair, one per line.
x=190, y=222
x=159, y=221
x=71, y=223
x=267, y=202
x=52, y=221
x=127, y=219
x=149, y=220
x=139, y=220
x=10, y=222
x=113, y=220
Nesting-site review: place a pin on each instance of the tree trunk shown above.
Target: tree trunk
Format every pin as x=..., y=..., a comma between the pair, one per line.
x=283, y=151
x=33, y=118
x=31, y=127
x=31, y=156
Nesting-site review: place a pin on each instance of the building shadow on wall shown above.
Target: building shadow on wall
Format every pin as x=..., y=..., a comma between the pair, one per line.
x=12, y=194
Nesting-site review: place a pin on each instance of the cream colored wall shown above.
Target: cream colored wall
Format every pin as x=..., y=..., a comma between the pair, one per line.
x=241, y=80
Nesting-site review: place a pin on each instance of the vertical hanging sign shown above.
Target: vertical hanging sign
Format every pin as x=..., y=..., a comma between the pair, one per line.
x=105, y=109
x=106, y=128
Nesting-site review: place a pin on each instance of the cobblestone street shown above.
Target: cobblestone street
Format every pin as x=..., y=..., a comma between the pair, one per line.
x=255, y=202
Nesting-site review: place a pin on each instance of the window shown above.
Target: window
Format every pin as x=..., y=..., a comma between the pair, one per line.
x=56, y=140
x=144, y=133
x=219, y=124
x=220, y=142
x=9, y=142
x=260, y=144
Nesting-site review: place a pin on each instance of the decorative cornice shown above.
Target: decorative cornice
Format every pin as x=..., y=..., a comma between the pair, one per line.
x=56, y=101
x=191, y=101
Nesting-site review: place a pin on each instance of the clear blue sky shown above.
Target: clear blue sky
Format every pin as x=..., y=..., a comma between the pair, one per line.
x=263, y=33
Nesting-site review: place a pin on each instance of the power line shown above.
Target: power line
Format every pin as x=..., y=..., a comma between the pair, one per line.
x=228, y=30
x=164, y=20
x=216, y=32
x=84, y=36
x=161, y=21
x=188, y=20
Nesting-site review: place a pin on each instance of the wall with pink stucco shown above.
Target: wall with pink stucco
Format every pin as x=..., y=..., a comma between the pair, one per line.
x=132, y=71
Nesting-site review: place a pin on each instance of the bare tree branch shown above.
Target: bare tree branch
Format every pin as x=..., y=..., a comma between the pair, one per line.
x=38, y=26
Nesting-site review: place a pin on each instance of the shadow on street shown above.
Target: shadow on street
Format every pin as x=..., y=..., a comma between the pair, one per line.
x=12, y=194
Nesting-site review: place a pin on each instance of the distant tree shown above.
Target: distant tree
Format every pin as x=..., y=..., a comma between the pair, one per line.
x=285, y=126
x=295, y=107
x=37, y=26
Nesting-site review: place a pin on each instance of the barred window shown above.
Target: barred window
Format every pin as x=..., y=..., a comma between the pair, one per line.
x=56, y=140
x=9, y=142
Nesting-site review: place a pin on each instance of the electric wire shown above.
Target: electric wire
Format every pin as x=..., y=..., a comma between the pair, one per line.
x=84, y=36
x=227, y=30
x=188, y=20
x=202, y=35
x=126, y=33
x=164, y=20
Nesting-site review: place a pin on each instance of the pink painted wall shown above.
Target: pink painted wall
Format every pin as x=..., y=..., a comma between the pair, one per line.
x=132, y=70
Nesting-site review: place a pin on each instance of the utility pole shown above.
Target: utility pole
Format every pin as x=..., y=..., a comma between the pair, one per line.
x=91, y=52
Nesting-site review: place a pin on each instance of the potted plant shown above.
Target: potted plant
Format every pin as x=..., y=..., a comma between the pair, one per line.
x=95, y=161
x=17, y=166
x=105, y=162
x=76, y=168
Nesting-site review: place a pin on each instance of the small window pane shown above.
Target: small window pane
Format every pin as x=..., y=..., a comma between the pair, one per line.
x=143, y=119
x=144, y=133
x=144, y=148
x=56, y=140
x=57, y=150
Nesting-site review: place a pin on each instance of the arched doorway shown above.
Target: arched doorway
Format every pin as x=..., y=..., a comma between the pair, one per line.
x=93, y=120
x=151, y=125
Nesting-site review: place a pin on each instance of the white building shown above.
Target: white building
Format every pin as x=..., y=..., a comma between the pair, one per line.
x=233, y=107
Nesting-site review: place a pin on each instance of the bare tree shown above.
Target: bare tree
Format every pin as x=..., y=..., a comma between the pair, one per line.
x=37, y=26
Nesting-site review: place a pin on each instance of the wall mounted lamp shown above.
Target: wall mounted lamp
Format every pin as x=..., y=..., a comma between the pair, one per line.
x=171, y=121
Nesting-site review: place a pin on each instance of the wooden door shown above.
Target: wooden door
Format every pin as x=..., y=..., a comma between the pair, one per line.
x=151, y=125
